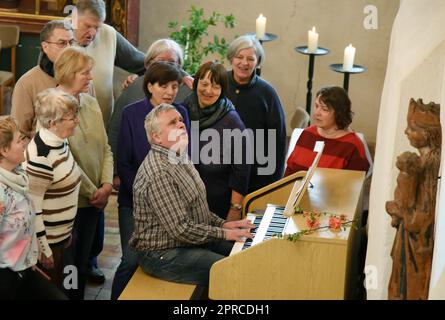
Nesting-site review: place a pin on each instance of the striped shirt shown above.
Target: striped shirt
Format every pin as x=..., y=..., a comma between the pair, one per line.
x=170, y=205
x=54, y=182
x=346, y=152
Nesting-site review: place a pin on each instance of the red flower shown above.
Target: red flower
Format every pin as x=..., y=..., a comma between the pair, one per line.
x=335, y=222
x=312, y=219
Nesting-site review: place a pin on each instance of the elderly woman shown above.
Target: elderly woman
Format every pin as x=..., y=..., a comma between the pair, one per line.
x=160, y=50
x=161, y=83
x=226, y=181
x=54, y=178
x=330, y=123
x=20, y=278
x=90, y=149
x=260, y=108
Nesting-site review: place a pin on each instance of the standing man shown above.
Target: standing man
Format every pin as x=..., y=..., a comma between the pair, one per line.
x=54, y=38
x=108, y=48
x=178, y=237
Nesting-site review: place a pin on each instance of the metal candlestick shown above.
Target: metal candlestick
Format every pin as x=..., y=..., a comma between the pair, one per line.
x=318, y=52
x=338, y=67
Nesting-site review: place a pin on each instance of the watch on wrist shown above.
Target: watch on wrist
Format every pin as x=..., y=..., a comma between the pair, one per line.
x=236, y=206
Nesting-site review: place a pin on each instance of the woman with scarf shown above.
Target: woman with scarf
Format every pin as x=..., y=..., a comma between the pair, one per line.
x=223, y=168
x=19, y=276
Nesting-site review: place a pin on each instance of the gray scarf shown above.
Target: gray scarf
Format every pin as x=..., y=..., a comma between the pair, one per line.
x=208, y=116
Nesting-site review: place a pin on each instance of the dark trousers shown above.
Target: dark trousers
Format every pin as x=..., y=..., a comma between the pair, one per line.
x=27, y=285
x=98, y=241
x=62, y=258
x=84, y=231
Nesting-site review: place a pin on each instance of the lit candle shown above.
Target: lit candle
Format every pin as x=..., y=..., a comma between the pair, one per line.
x=312, y=40
x=261, y=27
x=348, y=59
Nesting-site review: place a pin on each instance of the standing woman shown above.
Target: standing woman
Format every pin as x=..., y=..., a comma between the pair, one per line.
x=19, y=277
x=226, y=181
x=260, y=108
x=54, y=178
x=89, y=145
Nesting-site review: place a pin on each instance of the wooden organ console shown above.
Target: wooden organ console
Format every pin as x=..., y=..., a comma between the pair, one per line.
x=317, y=266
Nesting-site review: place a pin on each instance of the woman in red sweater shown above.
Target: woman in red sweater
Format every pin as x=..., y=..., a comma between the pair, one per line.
x=331, y=118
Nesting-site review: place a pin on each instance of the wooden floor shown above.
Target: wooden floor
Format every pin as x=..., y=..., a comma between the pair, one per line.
x=109, y=259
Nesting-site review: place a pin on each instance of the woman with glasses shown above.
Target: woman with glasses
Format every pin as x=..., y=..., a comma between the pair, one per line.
x=54, y=179
x=259, y=106
x=160, y=50
x=90, y=149
x=19, y=252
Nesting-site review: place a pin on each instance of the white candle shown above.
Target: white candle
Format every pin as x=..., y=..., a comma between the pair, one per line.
x=261, y=27
x=312, y=40
x=348, y=59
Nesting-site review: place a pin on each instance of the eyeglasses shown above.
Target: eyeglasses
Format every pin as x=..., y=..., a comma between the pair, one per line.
x=63, y=43
x=73, y=119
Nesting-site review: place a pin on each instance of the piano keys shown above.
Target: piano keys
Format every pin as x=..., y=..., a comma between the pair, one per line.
x=267, y=225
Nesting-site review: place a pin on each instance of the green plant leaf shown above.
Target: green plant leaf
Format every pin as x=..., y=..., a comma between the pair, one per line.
x=191, y=34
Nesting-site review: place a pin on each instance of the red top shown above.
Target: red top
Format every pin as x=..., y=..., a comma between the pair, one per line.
x=346, y=152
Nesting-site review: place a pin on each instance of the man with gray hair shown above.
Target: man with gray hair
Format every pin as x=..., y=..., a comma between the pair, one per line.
x=108, y=48
x=54, y=38
x=178, y=237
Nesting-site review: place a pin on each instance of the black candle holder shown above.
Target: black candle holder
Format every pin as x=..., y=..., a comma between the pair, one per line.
x=318, y=52
x=338, y=67
x=267, y=38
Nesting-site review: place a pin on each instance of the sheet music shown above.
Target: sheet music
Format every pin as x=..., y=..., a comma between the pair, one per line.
x=300, y=186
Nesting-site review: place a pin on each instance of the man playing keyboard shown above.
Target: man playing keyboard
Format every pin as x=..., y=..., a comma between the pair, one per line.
x=176, y=235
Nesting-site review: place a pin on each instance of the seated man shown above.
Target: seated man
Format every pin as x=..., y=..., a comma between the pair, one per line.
x=176, y=235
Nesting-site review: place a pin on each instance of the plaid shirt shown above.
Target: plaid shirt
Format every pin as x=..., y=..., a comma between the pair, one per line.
x=170, y=204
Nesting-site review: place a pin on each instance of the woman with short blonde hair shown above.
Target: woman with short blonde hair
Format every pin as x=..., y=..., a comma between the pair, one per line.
x=71, y=61
x=92, y=153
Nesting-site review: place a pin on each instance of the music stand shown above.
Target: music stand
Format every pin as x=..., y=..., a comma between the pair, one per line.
x=300, y=186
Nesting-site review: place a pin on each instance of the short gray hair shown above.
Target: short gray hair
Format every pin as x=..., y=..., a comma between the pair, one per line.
x=151, y=123
x=95, y=7
x=160, y=46
x=52, y=105
x=246, y=42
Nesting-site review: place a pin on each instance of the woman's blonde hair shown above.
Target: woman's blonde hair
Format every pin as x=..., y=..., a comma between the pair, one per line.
x=53, y=104
x=8, y=126
x=70, y=61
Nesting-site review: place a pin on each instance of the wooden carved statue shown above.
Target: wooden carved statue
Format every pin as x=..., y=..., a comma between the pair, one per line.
x=414, y=204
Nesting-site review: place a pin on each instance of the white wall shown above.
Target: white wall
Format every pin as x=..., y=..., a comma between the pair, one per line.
x=416, y=67
x=338, y=23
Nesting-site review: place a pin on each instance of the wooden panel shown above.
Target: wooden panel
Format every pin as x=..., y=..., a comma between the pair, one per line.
x=122, y=14
x=276, y=193
x=280, y=269
x=144, y=287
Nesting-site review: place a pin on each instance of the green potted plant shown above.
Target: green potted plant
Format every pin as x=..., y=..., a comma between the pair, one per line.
x=190, y=37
